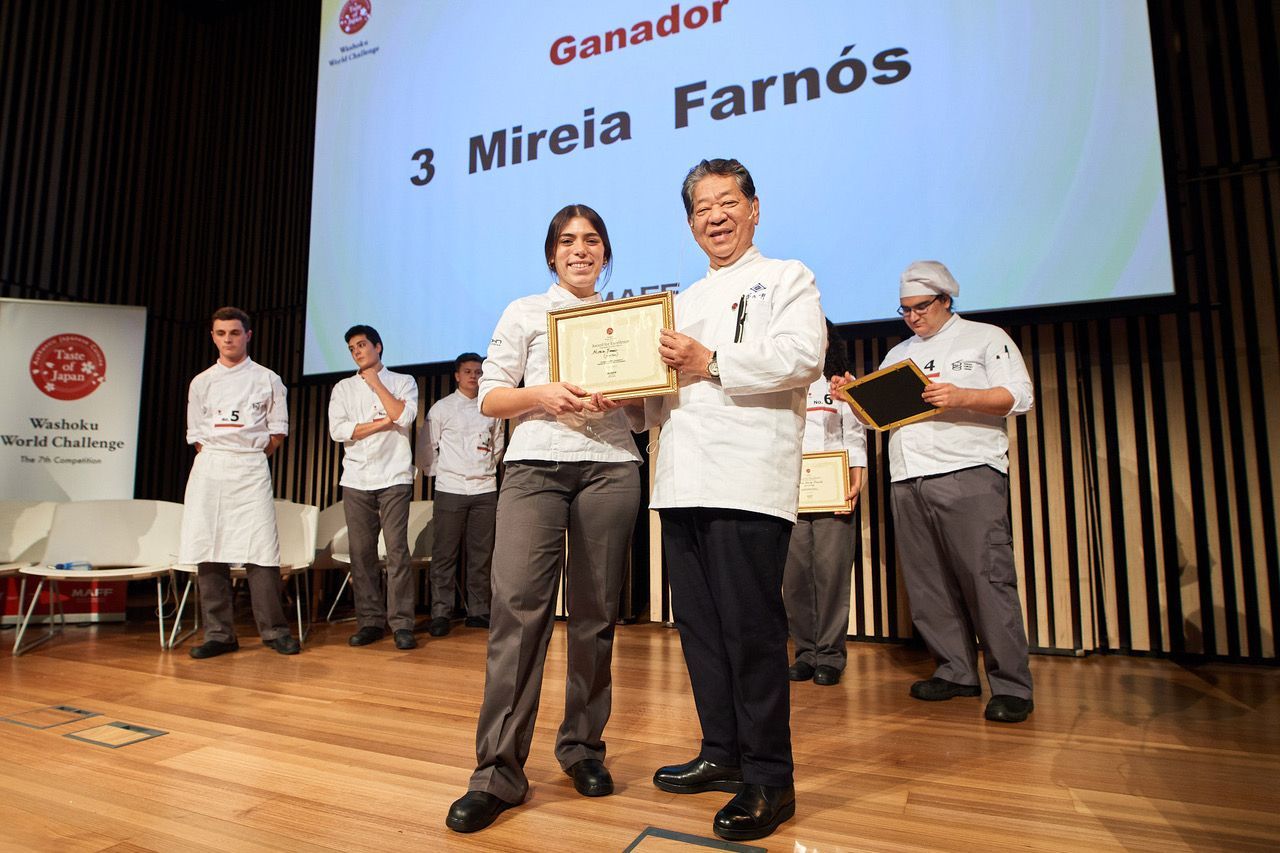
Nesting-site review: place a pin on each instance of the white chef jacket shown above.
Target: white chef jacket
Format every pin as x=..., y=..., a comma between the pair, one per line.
x=967, y=355
x=735, y=442
x=236, y=408
x=384, y=458
x=518, y=351
x=463, y=446
x=228, y=513
x=830, y=425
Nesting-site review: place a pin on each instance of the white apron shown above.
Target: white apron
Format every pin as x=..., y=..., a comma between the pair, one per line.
x=229, y=515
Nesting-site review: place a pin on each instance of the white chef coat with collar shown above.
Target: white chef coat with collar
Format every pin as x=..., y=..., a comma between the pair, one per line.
x=968, y=355
x=735, y=442
x=228, y=513
x=518, y=351
x=830, y=425
x=236, y=408
x=463, y=446
x=384, y=458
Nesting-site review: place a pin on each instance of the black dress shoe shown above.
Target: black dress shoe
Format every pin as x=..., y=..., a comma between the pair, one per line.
x=756, y=811
x=826, y=675
x=1004, y=708
x=366, y=635
x=694, y=777
x=285, y=644
x=439, y=626
x=591, y=778
x=405, y=640
x=474, y=811
x=213, y=648
x=800, y=671
x=937, y=689
x=477, y=622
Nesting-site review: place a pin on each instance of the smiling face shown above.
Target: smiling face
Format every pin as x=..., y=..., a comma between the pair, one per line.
x=723, y=221
x=364, y=353
x=579, y=256
x=231, y=340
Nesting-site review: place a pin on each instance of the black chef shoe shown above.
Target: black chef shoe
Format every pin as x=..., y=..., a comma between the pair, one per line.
x=800, y=671
x=694, y=777
x=474, y=811
x=477, y=621
x=1008, y=709
x=756, y=811
x=439, y=626
x=826, y=675
x=937, y=689
x=591, y=778
x=405, y=640
x=213, y=648
x=285, y=644
x=366, y=635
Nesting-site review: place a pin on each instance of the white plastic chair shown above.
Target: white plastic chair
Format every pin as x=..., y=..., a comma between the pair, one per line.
x=420, y=532
x=24, y=530
x=296, y=525
x=122, y=540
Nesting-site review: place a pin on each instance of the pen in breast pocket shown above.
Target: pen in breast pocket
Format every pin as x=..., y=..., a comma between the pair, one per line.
x=742, y=319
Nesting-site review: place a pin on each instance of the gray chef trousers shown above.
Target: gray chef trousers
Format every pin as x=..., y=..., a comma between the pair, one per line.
x=956, y=554
x=815, y=587
x=725, y=569
x=453, y=517
x=217, y=605
x=367, y=512
x=596, y=502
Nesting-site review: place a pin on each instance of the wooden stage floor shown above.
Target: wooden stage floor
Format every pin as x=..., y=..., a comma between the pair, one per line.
x=363, y=749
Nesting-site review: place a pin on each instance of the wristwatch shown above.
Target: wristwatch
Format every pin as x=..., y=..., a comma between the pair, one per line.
x=713, y=368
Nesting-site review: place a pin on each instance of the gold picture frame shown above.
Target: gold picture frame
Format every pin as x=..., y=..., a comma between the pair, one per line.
x=612, y=347
x=824, y=482
x=890, y=397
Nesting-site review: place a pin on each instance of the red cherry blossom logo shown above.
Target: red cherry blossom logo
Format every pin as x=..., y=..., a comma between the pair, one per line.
x=354, y=15
x=609, y=331
x=68, y=367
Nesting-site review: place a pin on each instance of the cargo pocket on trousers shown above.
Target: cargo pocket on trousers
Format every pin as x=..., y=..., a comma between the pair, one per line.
x=999, y=567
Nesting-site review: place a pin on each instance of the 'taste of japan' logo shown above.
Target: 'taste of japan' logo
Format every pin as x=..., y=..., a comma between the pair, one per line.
x=68, y=367
x=354, y=15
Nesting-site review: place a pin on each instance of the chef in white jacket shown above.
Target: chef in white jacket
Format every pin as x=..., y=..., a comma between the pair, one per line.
x=371, y=414
x=236, y=418
x=951, y=497
x=815, y=585
x=750, y=339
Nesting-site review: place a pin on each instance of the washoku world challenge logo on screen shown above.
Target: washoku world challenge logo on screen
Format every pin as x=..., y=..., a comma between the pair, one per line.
x=354, y=15
x=68, y=367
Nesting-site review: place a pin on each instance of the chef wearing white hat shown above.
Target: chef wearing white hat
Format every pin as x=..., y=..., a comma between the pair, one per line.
x=951, y=497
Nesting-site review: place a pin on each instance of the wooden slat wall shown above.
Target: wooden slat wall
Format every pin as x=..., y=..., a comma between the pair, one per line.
x=158, y=153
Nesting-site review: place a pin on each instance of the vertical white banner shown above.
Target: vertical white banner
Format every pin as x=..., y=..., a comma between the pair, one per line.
x=71, y=386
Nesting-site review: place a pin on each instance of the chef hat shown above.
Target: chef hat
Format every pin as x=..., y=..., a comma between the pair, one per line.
x=926, y=278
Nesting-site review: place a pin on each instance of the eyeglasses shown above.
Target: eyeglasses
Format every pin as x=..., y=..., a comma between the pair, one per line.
x=904, y=310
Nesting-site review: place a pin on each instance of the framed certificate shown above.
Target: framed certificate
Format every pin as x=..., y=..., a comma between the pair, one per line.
x=890, y=397
x=824, y=482
x=612, y=347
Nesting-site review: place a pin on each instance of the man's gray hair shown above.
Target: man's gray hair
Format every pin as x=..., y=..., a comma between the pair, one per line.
x=707, y=168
